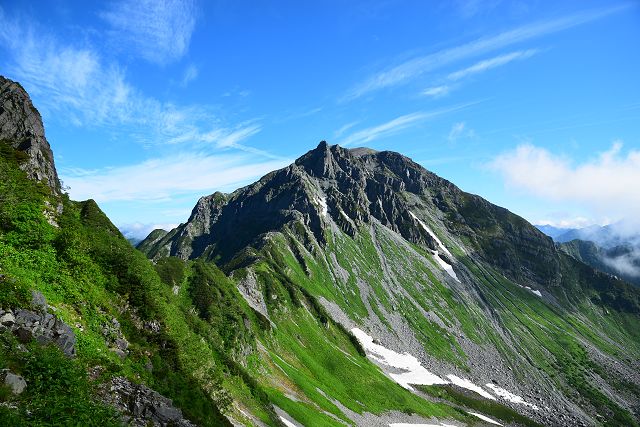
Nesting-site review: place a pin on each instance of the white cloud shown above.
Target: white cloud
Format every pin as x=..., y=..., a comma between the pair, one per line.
x=416, y=67
x=138, y=230
x=437, y=91
x=470, y=8
x=190, y=74
x=158, y=30
x=393, y=126
x=163, y=178
x=451, y=81
x=627, y=264
x=607, y=185
x=460, y=130
x=565, y=221
x=491, y=63
x=338, y=133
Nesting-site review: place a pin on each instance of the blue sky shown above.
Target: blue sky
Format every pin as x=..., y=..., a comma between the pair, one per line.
x=149, y=105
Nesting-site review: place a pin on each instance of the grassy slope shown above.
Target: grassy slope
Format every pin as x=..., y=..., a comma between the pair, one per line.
x=90, y=275
x=555, y=338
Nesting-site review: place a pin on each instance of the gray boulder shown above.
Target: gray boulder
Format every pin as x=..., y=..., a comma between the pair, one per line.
x=44, y=327
x=16, y=383
x=38, y=302
x=7, y=320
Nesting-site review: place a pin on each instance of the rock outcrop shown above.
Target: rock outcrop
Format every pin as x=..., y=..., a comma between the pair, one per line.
x=141, y=406
x=21, y=127
x=40, y=325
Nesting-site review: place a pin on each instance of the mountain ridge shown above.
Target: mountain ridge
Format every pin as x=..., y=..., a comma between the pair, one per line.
x=360, y=193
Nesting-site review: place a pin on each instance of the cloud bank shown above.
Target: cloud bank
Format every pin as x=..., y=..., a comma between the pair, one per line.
x=606, y=185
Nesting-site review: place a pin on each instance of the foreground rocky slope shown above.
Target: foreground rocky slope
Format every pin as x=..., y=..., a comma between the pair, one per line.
x=482, y=299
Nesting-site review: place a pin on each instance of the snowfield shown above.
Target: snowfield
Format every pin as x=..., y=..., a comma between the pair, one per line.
x=446, y=266
x=286, y=422
x=485, y=418
x=533, y=291
x=507, y=395
x=415, y=373
x=321, y=201
x=465, y=383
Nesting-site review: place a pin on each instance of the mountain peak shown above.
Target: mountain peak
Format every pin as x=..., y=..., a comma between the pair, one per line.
x=324, y=160
x=21, y=127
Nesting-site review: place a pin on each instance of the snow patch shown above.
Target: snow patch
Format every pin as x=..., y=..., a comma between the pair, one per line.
x=446, y=266
x=420, y=425
x=507, y=395
x=533, y=291
x=345, y=215
x=322, y=202
x=432, y=234
x=465, y=383
x=414, y=372
x=485, y=418
x=287, y=422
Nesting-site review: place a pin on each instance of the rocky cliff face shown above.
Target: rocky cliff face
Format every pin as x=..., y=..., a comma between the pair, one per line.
x=21, y=126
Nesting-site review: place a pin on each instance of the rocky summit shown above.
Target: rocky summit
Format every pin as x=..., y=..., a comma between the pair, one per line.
x=350, y=288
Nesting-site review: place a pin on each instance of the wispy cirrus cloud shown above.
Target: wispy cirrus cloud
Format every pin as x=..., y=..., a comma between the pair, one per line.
x=190, y=74
x=437, y=91
x=396, y=125
x=460, y=130
x=75, y=84
x=454, y=79
x=157, y=30
x=163, y=178
x=488, y=64
x=413, y=68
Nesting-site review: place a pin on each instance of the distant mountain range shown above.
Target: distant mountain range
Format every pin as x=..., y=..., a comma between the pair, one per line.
x=614, y=248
